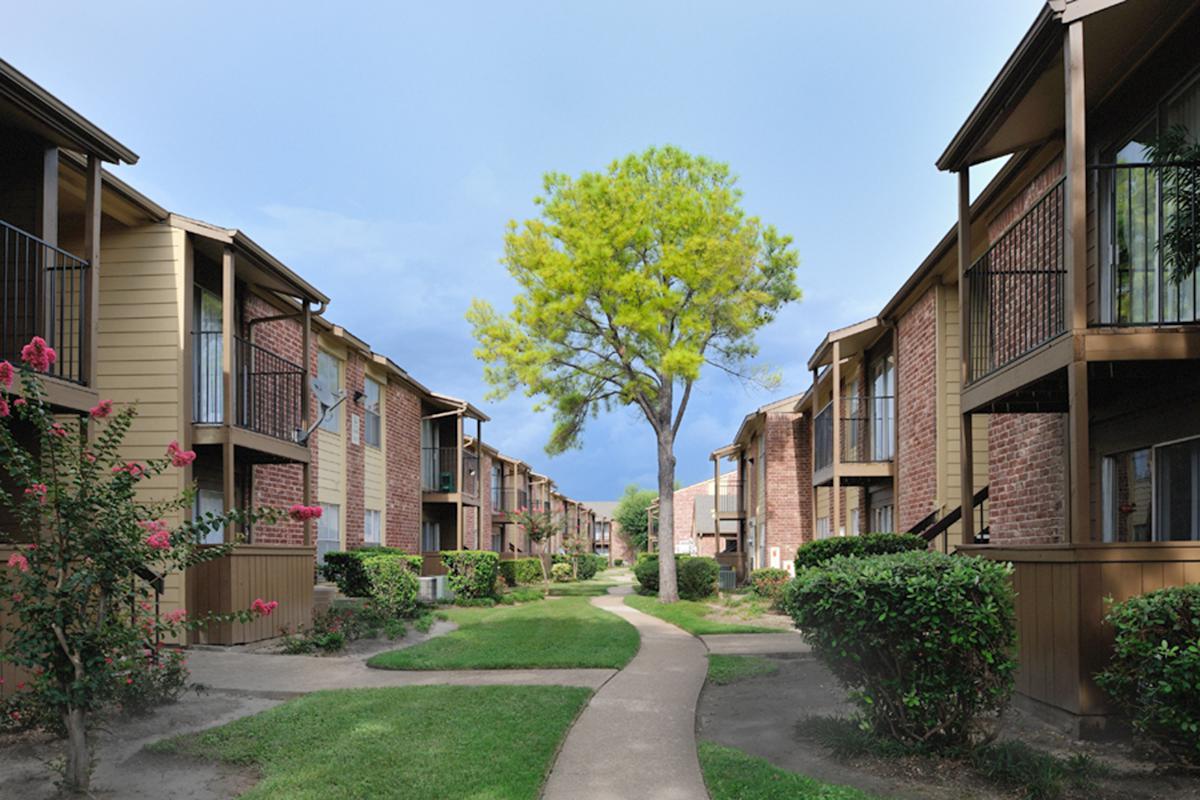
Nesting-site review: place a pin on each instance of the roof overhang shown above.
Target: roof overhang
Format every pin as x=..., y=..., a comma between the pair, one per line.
x=33, y=108
x=851, y=339
x=453, y=403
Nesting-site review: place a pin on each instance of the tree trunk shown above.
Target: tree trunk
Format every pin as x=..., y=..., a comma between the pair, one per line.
x=79, y=762
x=668, y=590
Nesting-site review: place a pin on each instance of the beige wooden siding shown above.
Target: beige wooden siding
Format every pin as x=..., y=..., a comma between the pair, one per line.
x=375, y=462
x=331, y=454
x=949, y=444
x=141, y=350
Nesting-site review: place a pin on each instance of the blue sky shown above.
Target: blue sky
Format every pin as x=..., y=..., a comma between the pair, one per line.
x=379, y=150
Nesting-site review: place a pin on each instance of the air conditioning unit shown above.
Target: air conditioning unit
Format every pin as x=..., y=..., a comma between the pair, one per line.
x=434, y=589
x=726, y=579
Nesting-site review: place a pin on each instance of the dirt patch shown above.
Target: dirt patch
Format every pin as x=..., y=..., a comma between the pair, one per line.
x=124, y=769
x=760, y=716
x=768, y=619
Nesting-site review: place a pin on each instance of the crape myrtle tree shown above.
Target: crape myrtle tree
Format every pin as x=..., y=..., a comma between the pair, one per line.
x=76, y=589
x=630, y=514
x=540, y=526
x=631, y=281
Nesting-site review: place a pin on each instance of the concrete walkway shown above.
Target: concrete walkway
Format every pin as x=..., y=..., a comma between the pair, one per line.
x=288, y=676
x=637, y=736
x=747, y=644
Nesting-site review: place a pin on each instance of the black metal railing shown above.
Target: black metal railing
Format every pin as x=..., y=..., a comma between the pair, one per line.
x=1150, y=243
x=44, y=291
x=470, y=480
x=823, y=439
x=439, y=469
x=510, y=499
x=932, y=527
x=868, y=429
x=729, y=497
x=267, y=388
x=1016, y=291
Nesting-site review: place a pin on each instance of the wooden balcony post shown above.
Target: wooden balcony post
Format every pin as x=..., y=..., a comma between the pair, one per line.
x=1075, y=256
x=812, y=453
x=306, y=410
x=91, y=253
x=836, y=413
x=228, y=301
x=462, y=475
x=966, y=455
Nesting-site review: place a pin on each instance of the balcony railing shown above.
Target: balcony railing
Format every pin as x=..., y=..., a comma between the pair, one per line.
x=439, y=469
x=1016, y=290
x=470, y=482
x=1150, y=248
x=868, y=429
x=267, y=388
x=510, y=499
x=729, y=497
x=823, y=439
x=43, y=292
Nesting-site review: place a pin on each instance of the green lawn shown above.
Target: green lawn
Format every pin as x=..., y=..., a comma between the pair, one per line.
x=724, y=669
x=565, y=632
x=590, y=588
x=482, y=742
x=733, y=775
x=691, y=615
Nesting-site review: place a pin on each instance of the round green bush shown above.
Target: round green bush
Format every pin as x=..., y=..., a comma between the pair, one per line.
x=923, y=641
x=1154, y=674
x=393, y=585
x=521, y=571
x=472, y=573
x=562, y=573
x=698, y=578
x=816, y=553
x=646, y=573
x=346, y=568
x=769, y=583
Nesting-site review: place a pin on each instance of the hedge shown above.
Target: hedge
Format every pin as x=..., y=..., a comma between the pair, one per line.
x=586, y=564
x=393, y=584
x=472, y=573
x=769, y=583
x=923, y=641
x=561, y=572
x=646, y=573
x=346, y=568
x=697, y=578
x=814, y=554
x=520, y=571
x=1154, y=674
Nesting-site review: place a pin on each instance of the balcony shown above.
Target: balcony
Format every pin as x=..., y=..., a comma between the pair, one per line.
x=439, y=471
x=508, y=500
x=1149, y=248
x=1016, y=291
x=267, y=388
x=44, y=292
x=729, y=500
x=866, y=428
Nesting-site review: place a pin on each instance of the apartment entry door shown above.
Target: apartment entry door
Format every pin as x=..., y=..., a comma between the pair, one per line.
x=209, y=400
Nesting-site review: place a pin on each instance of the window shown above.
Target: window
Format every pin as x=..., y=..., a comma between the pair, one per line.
x=855, y=522
x=882, y=520
x=1152, y=493
x=210, y=501
x=329, y=373
x=883, y=409
x=372, y=404
x=209, y=391
x=823, y=529
x=1135, y=288
x=497, y=487
x=329, y=531
x=497, y=540
x=372, y=526
x=431, y=536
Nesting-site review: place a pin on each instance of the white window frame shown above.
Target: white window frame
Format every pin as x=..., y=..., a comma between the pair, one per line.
x=372, y=413
x=372, y=527
x=331, y=422
x=331, y=518
x=1157, y=533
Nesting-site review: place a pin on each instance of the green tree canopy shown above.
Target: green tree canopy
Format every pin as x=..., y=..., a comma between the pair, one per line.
x=630, y=514
x=631, y=281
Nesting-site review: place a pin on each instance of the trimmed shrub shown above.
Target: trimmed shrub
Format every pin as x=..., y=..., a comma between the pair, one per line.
x=346, y=569
x=586, y=565
x=646, y=573
x=814, y=554
x=520, y=571
x=769, y=583
x=393, y=585
x=618, y=562
x=472, y=573
x=923, y=641
x=697, y=578
x=561, y=573
x=1154, y=667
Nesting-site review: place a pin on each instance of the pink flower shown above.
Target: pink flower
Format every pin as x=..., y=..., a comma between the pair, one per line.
x=175, y=617
x=38, y=355
x=301, y=513
x=6, y=374
x=159, y=540
x=20, y=401
x=19, y=561
x=101, y=409
x=38, y=490
x=58, y=430
x=90, y=458
x=179, y=456
x=4, y=409
x=262, y=608
x=134, y=469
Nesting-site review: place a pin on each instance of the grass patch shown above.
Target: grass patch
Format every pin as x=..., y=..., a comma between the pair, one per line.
x=568, y=632
x=494, y=742
x=691, y=615
x=588, y=588
x=733, y=775
x=724, y=669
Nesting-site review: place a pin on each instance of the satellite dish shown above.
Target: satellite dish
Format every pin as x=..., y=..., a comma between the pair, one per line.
x=325, y=394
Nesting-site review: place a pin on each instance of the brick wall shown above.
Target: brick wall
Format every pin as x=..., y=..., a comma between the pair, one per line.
x=402, y=425
x=276, y=485
x=789, y=502
x=916, y=380
x=1027, y=476
x=352, y=514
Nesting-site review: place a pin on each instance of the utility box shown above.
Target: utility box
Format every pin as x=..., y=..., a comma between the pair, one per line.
x=434, y=589
x=726, y=579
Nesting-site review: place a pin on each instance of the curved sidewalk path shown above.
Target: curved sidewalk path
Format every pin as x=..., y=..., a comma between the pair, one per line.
x=637, y=736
